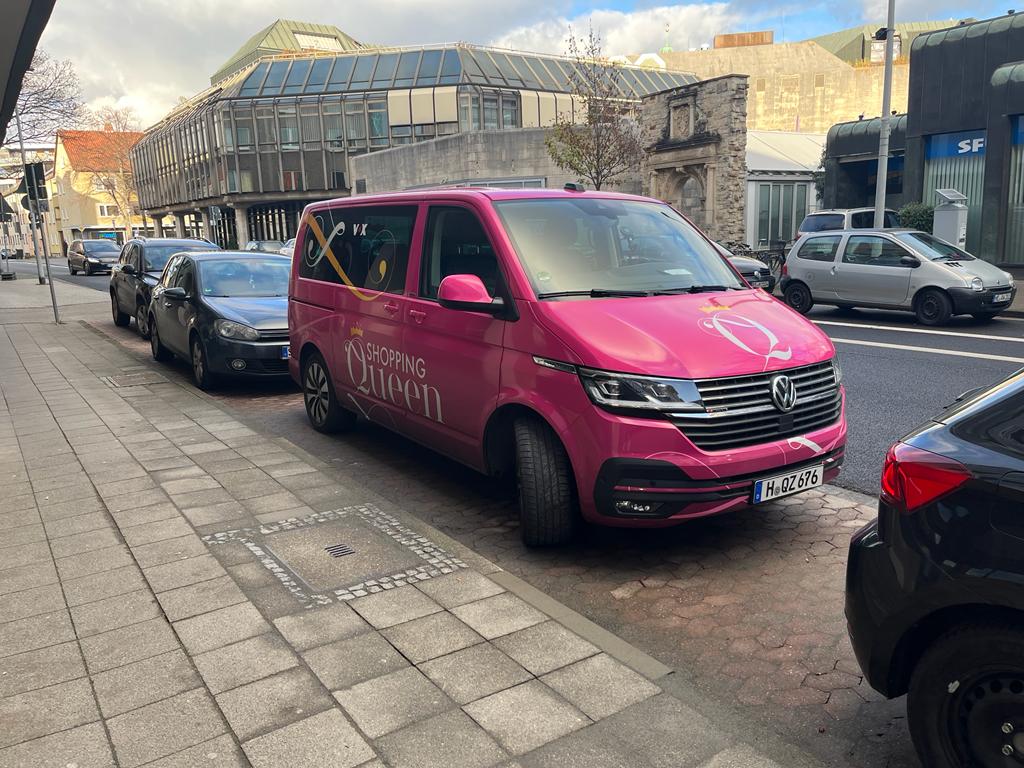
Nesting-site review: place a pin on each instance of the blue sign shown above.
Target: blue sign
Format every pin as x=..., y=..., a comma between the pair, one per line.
x=108, y=235
x=965, y=144
x=1018, y=130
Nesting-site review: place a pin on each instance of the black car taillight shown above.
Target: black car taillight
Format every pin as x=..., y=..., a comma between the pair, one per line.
x=913, y=477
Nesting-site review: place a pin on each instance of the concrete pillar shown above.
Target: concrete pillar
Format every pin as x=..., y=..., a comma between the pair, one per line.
x=204, y=224
x=158, y=225
x=242, y=225
x=179, y=225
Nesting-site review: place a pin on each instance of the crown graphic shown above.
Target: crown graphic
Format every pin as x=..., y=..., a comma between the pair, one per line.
x=355, y=330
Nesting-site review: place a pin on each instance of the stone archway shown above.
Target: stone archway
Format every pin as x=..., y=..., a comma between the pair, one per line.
x=684, y=188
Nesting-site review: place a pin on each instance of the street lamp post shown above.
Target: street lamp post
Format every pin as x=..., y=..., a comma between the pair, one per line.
x=882, y=177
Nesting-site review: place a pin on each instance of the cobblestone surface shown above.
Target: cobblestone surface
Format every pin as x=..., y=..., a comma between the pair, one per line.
x=749, y=606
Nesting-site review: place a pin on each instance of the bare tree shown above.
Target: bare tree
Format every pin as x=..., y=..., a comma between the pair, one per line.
x=50, y=98
x=108, y=160
x=605, y=144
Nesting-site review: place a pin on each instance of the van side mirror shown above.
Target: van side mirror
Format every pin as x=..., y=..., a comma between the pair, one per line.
x=468, y=294
x=910, y=261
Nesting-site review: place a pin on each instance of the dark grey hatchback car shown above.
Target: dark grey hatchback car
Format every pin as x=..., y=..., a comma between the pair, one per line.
x=226, y=312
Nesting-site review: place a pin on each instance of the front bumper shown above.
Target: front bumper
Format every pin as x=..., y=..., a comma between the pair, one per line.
x=260, y=358
x=967, y=301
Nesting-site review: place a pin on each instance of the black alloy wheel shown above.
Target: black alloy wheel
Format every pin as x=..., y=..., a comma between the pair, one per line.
x=121, y=319
x=322, y=407
x=142, y=321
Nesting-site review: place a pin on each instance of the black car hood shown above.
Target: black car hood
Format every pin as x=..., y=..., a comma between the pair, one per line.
x=746, y=265
x=264, y=313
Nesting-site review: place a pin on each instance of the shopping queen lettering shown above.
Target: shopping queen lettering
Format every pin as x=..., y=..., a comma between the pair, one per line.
x=395, y=377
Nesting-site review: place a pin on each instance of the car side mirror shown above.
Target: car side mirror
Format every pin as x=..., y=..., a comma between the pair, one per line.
x=910, y=261
x=128, y=269
x=177, y=293
x=468, y=294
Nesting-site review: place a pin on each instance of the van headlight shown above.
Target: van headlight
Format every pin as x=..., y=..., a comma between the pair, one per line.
x=232, y=330
x=977, y=284
x=622, y=391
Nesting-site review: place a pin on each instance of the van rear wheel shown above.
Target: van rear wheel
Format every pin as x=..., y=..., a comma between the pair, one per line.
x=547, y=509
x=325, y=413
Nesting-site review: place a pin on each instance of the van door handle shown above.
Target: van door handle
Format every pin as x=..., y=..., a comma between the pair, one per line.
x=391, y=308
x=418, y=315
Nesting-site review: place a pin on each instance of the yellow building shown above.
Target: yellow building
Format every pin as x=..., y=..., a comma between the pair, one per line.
x=91, y=169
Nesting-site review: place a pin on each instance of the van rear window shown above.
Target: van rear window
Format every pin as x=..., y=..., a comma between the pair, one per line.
x=361, y=246
x=820, y=222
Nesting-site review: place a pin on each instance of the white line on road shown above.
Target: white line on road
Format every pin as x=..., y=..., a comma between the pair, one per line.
x=990, y=336
x=929, y=350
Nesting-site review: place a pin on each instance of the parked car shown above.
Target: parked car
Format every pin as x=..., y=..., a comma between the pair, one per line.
x=845, y=218
x=894, y=269
x=595, y=346
x=91, y=256
x=288, y=249
x=754, y=271
x=226, y=312
x=934, y=600
x=265, y=246
x=138, y=269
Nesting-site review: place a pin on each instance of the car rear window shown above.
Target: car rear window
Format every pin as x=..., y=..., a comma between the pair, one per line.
x=819, y=248
x=820, y=222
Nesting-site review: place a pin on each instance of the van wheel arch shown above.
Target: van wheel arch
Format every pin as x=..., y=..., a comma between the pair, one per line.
x=307, y=349
x=500, y=439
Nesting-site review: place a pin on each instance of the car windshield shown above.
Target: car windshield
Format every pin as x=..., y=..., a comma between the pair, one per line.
x=244, y=276
x=932, y=248
x=157, y=255
x=602, y=247
x=821, y=222
x=101, y=246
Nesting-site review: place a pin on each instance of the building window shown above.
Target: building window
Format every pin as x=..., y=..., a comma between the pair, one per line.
x=423, y=132
x=107, y=210
x=469, y=111
x=491, y=113
x=780, y=209
x=265, y=129
x=309, y=123
x=377, y=121
x=289, y=126
x=355, y=124
x=232, y=180
x=291, y=180
x=509, y=111
x=447, y=129
x=819, y=80
x=761, y=85
x=401, y=134
x=334, y=135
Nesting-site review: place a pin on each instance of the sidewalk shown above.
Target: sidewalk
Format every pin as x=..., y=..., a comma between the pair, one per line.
x=178, y=590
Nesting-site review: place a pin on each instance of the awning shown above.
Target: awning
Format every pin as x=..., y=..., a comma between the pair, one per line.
x=24, y=21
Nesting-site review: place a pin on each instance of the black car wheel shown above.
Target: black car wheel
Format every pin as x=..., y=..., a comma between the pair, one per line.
x=547, y=509
x=160, y=353
x=142, y=321
x=201, y=375
x=798, y=296
x=71, y=270
x=322, y=407
x=88, y=270
x=966, y=700
x=120, y=318
x=933, y=307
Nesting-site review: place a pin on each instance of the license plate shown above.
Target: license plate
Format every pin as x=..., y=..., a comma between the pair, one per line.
x=784, y=485
x=285, y=352
x=759, y=283
x=1001, y=297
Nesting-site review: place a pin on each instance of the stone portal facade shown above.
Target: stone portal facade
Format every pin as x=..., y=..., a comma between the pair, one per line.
x=695, y=140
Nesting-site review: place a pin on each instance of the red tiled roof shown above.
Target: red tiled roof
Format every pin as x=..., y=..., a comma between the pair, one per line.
x=93, y=150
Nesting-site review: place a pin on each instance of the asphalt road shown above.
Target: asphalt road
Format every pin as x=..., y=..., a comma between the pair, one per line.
x=59, y=271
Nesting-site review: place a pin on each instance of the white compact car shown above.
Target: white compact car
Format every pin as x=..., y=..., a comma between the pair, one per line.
x=893, y=269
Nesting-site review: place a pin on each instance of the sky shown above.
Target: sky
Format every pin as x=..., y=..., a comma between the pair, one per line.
x=147, y=54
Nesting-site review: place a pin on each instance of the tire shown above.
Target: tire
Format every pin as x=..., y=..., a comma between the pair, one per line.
x=984, y=317
x=322, y=407
x=142, y=321
x=959, y=691
x=547, y=509
x=201, y=375
x=160, y=353
x=120, y=318
x=933, y=307
x=71, y=270
x=88, y=270
x=798, y=296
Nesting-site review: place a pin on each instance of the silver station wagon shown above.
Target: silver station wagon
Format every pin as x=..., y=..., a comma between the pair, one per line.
x=893, y=269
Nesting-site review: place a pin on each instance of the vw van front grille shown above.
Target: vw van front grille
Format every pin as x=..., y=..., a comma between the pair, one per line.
x=738, y=411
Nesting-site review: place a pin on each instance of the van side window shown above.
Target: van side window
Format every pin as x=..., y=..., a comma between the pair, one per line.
x=456, y=244
x=365, y=246
x=873, y=251
x=819, y=248
x=862, y=220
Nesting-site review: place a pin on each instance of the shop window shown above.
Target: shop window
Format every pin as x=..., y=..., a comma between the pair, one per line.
x=780, y=209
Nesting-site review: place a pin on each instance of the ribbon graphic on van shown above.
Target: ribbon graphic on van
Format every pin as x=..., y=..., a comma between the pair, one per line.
x=757, y=339
x=326, y=252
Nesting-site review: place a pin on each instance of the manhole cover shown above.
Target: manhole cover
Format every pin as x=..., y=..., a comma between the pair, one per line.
x=135, y=379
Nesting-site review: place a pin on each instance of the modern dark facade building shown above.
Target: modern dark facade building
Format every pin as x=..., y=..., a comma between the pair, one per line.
x=964, y=129
x=241, y=160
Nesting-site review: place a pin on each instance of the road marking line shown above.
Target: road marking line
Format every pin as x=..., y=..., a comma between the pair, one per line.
x=989, y=336
x=951, y=352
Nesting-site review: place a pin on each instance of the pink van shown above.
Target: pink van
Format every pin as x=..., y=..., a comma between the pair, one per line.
x=597, y=345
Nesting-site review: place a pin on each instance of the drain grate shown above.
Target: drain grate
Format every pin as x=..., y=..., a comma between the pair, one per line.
x=339, y=550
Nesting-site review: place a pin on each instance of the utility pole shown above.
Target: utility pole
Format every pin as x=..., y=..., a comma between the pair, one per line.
x=882, y=177
x=31, y=225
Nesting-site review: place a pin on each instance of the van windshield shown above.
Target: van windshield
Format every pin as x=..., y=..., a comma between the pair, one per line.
x=601, y=247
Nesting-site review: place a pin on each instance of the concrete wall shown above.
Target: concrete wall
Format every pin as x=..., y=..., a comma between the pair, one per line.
x=798, y=86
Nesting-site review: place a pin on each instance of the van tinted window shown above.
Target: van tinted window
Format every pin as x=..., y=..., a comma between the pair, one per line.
x=820, y=222
x=820, y=248
x=361, y=246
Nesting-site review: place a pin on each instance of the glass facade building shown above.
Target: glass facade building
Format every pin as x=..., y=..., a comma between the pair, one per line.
x=279, y=133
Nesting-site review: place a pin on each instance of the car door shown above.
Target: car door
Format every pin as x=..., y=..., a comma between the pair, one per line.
x=815, y=265
x=870, y=271
x=164, y=310
x=124, y=282
x=75, y=256
x=181, y=311
x=456, y=355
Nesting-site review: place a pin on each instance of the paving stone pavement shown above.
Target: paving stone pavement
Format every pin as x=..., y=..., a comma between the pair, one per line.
x=166, y=599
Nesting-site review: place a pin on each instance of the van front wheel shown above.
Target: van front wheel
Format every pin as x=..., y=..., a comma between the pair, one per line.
x=547, y=510
x=798, y=296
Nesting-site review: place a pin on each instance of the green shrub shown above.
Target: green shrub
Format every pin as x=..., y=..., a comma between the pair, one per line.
x=917, y=216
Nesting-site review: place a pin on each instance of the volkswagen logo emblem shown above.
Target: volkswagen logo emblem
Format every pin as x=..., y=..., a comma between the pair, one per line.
x=783, y=393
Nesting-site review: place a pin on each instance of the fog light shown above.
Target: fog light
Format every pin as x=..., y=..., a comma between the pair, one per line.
x=238, y=365
x=626, y=507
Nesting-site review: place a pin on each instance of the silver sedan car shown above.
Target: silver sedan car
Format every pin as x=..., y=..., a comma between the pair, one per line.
x=893, y=269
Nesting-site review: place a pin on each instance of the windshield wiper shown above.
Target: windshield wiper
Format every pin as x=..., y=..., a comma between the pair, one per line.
x=594, y=293
x=698, y=289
